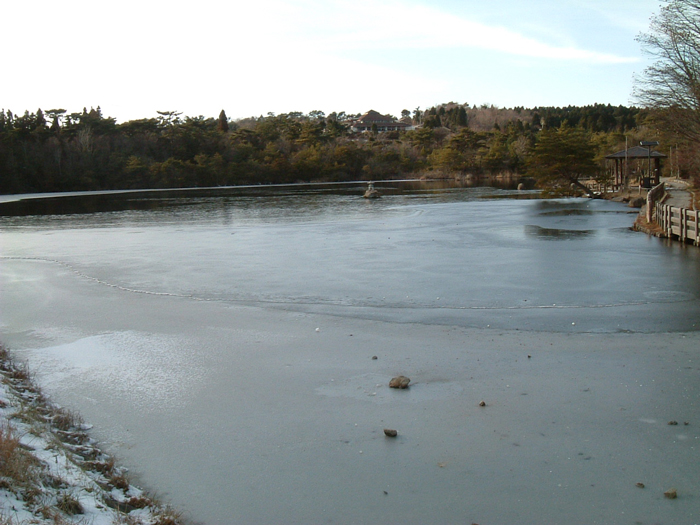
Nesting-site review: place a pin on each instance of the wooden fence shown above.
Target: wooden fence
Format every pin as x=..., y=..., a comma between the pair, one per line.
x=654, y=196
x=679, y=222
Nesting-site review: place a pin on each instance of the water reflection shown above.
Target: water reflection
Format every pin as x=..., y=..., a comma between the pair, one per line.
x=307, y=196
x=554, y=234
x=563, y=206
x=567, y=213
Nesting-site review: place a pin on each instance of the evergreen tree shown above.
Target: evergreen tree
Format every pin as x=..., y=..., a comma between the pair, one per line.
x=223, y=122
x=40, y=120
x=561, y=157
x=462, y=117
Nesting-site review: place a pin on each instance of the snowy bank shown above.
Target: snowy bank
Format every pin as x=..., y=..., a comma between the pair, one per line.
x=51, y=471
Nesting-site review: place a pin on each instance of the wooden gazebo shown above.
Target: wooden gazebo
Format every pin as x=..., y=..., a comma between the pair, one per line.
x=647, y=166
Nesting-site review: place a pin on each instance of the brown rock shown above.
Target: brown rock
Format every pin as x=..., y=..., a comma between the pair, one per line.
x=399, y=382
x=390, y=432
x=673, y=422
x=640, y=485
x=671, y=494
x=482, y=404
x=374, y=357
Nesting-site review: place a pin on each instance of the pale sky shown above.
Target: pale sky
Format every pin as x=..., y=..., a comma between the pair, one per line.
x=252, y=57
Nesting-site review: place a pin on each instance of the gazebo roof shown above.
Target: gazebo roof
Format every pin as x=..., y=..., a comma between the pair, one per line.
x=636, y=152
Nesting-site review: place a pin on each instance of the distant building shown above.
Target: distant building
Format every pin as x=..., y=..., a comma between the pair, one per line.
x=383, y=123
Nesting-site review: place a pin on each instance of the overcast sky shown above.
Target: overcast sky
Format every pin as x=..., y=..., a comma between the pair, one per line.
x=135, y=57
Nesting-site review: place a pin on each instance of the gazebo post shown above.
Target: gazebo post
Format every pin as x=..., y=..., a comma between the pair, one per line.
x=652, y=176
x=626, y=175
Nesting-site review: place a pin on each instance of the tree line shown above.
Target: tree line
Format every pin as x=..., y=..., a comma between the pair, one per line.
x=53, y=150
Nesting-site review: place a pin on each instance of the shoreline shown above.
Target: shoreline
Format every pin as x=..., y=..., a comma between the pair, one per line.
x=52, y=471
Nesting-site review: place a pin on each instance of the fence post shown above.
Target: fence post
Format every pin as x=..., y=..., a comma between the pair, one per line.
x=656, y=213
x=685, y=224
x=681, y=224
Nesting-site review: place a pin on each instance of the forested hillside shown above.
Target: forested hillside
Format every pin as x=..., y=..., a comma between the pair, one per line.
x=53, y=150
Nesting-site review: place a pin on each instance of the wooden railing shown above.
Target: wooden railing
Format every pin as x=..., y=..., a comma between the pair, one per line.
x=679, y=222
x=654, y=196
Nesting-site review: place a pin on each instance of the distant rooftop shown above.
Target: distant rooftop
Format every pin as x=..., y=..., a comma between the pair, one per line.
x=374, y=116
x=635, y=152
x=379, y=121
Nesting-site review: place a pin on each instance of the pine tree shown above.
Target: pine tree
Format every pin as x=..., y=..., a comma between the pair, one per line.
x=562, y=156
x=223, y=122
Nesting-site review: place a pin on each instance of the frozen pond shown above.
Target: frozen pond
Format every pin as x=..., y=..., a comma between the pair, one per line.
x=452, y=256
x=183, y=325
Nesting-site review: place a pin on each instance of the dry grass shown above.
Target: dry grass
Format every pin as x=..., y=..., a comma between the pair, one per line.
x=140, y=502
x=54, y=516
x=16, y=464
x=119, y=481
x=66, y=420
x=124, y=519
x=9, y=444
x=105, y=467
x=69, y=504
x=168, y=517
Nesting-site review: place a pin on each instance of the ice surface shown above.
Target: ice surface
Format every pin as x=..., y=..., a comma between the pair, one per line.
x=187, y=336
x=136, y=368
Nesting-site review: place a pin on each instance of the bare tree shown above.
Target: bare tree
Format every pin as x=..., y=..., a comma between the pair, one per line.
x=85, y=139
x=671, y=85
